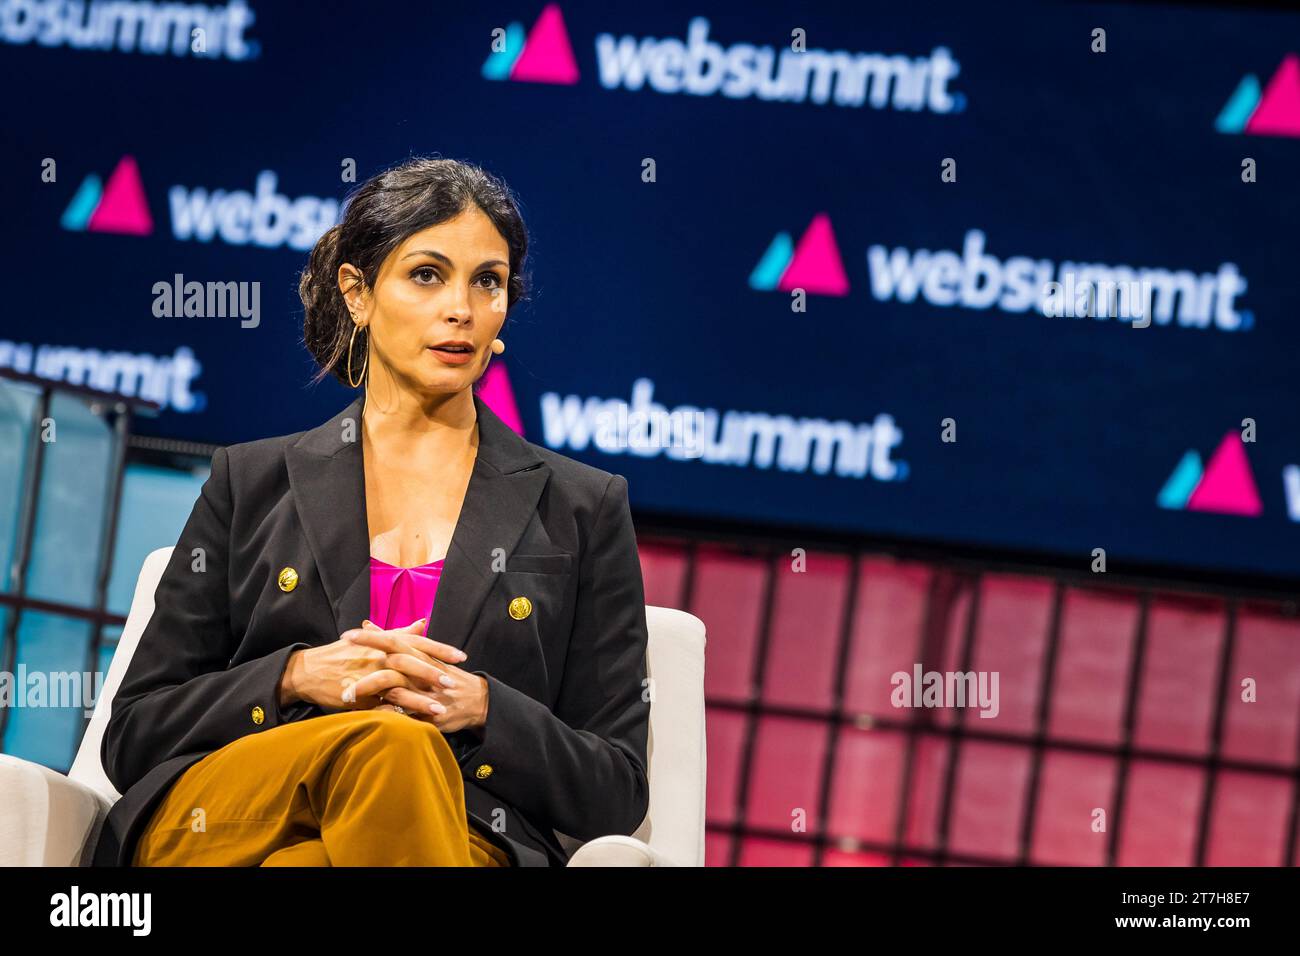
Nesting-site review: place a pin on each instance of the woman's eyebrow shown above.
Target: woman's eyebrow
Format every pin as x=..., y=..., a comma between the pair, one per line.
x=441, y=258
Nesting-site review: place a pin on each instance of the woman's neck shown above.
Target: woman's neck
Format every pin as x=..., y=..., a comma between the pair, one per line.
x=443, y=421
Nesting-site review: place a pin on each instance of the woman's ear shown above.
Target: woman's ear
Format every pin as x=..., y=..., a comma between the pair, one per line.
x=352, y=285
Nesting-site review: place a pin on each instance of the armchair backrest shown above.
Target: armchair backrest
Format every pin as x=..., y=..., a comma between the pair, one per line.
x=87, y=767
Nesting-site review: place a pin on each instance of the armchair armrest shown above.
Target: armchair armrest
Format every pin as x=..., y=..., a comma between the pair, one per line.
x=618, y=850
x=46, y=818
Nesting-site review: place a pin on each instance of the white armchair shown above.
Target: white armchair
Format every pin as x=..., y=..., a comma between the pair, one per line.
x=48, y=819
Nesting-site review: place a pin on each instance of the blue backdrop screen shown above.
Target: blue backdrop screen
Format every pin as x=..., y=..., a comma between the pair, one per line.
x=1024, y=281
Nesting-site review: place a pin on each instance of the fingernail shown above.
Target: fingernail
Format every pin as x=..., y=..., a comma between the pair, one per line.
x=447, y=681
x=437, y=708
x=461, y=655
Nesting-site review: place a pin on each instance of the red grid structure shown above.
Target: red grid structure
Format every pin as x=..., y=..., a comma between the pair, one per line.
x=1122, y=701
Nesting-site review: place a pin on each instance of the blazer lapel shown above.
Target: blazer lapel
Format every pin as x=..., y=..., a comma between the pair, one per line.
x=501, y=500
x=327, y=478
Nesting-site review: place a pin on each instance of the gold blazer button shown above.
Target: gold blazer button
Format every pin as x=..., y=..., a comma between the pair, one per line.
x=520, y=608
x=288, y=579
x=484, y=771
x=259, y=715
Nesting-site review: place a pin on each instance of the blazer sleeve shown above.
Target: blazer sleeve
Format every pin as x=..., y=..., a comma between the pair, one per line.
x=180, y=695
x=581, y=768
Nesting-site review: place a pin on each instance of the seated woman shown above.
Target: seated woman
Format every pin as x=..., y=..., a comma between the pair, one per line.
x=282, y=707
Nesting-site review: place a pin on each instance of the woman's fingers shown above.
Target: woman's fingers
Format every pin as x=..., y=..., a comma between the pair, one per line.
x=412, y=701
x=371, y=660
x=443, y=652
x=382, y=682
x=420, y=670
x=429, y=647
x=376, y=683
x=404, y=641
x=390, y=642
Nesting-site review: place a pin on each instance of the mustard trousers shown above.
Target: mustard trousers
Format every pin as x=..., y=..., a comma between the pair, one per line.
x=359, y=788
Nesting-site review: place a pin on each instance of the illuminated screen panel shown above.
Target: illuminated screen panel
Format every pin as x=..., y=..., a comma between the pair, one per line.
x=928, y=277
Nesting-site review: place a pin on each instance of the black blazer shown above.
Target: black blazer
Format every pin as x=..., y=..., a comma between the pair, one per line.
x=564, y=746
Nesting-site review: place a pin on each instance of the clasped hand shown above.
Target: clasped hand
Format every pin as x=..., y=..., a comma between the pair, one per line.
x=369, y=667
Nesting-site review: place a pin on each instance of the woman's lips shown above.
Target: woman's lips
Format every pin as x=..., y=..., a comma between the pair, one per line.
x=452, y=358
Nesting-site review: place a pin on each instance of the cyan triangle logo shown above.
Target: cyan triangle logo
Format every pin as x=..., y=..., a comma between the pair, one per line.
x=1224, y=486
x=1270, y=111
x=119, y=206
x=813, y=265
x=544, y=56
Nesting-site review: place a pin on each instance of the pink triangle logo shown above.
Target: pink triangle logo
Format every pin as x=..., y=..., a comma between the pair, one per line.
x=547, y=56
x=122, y=207
x=497, y=394
x=1278, y=112
x=1227, y=487
x=816, y=265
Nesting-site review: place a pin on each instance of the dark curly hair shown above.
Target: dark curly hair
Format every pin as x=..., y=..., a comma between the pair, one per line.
x=378, y=216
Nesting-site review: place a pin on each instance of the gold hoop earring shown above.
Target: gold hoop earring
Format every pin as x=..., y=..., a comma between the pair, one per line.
x=364, y=364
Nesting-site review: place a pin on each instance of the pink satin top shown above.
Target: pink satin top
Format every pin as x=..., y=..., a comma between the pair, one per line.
x=399, y=596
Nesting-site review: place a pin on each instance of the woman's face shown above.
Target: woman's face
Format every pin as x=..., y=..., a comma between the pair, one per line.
x=445, y=284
